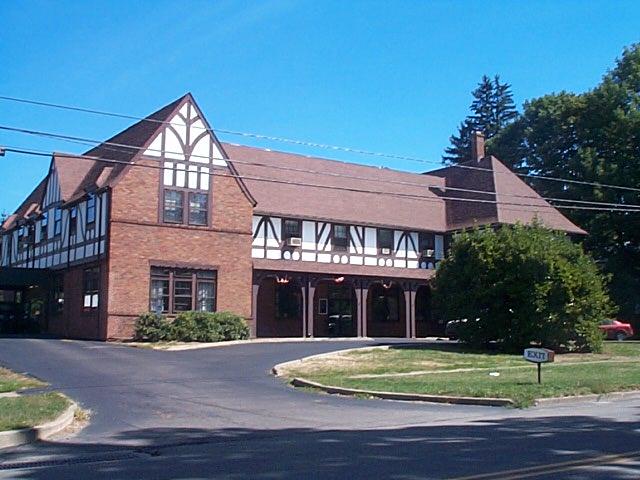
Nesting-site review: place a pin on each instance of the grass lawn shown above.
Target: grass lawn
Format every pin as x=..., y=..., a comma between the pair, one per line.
x=10, y=381
x=28, y=411
x=450, y=369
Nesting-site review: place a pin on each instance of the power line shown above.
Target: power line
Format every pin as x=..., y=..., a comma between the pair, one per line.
x=623, y=208
x=311, y=144
x=121, y=147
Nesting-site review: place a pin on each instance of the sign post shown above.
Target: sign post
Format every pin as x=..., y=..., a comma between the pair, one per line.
x=539, y=356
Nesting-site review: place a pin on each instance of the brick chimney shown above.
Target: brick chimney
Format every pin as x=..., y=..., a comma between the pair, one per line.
x=477, y=146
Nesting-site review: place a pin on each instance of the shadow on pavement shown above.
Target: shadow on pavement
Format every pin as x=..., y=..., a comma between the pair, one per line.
x=427, y=452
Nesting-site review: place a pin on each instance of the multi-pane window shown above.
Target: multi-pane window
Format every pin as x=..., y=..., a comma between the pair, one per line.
x=198, y=208
x=91, y=210
x=91, y=288
x=385, y=240
x=177, y=290
x=173, y=206
x=291, y=229
x=44, y=226
x=57, y=222
x=73, y=221
x=340, y=238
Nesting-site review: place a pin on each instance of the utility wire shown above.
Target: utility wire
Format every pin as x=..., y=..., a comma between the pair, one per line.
x=119, y=147
x=310, y=144
x=623, y=208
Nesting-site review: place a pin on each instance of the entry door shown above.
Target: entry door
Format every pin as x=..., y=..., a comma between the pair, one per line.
x=340, y=310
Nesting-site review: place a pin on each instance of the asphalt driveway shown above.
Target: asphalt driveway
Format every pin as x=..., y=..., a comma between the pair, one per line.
x=218, y=413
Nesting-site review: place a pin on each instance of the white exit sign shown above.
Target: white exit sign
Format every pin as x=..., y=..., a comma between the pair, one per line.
x=539, y=355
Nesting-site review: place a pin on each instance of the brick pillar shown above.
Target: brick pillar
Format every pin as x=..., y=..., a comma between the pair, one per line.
x=358, y=309
x=413, y=292
x=304, y=311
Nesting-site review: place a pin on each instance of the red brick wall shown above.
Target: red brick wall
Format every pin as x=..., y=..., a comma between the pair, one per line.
x=136, y=239
x=75, y=321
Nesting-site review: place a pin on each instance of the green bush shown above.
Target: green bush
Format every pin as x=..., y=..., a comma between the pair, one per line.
x=151, y=327
x=192, y=327
x=522, y=285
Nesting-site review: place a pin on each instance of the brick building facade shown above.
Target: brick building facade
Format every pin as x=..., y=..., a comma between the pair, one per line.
x=164, y=217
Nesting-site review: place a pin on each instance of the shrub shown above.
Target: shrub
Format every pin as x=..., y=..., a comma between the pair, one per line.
x=522, y=285
x=191, y=327
x=151, y=327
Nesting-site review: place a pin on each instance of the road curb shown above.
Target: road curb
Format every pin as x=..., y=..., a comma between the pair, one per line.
x=409, y=397
x=595, y=397
x=14, y=438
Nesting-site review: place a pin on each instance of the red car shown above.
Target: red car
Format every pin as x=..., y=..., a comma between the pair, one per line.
x=615, y=330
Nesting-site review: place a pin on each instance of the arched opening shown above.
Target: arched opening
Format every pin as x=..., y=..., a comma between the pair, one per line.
x=279, y=308
x=386, y=311
x=335, y=309
x=426, y=324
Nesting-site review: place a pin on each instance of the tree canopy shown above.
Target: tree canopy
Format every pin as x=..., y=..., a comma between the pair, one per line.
x=594, y=137
x=521, y=285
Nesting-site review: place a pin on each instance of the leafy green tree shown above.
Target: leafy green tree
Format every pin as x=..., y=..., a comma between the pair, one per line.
x=593, y=137
x=521, y=285
x=492, y=109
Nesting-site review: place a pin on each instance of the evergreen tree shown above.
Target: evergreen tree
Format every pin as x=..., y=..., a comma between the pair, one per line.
x=492, y=110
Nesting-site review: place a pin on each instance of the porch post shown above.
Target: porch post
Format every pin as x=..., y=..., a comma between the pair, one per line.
x=254, y=310
x=304, y=309
x=414, y=330
x=407, y=310
x=359, y=308
x=311, y=289
x=365, y=306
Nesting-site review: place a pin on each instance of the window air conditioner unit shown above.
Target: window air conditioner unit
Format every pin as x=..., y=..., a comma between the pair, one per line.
x=294, y=242
x=428, y=252
x=385, y=251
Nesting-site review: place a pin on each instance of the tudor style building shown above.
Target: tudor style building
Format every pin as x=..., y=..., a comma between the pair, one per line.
x=164, y=217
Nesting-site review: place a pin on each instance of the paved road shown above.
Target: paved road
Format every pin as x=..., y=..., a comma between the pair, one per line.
x=217, y=413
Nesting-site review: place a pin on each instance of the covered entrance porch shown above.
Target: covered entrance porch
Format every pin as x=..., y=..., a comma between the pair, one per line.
x=324, y=304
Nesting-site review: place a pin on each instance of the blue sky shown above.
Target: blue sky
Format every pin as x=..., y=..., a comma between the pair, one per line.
x=393, y=77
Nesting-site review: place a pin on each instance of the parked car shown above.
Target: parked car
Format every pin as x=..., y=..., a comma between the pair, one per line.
x=615, y=330
x=451, y=328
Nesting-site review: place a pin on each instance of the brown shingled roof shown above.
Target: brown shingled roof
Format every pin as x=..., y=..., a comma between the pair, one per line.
x=30, y=205
x=376, y=204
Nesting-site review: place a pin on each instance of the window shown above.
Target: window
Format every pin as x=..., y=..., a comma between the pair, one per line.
x=340, y=238
x=44, y=226
x=427, y=241
x=57, y=222
x=91, y=210
x=173, y=206
x=174, y=290
x=73, y=221
x=291, y=229
x=385, y=239
x=198, y=208
x=91, y=288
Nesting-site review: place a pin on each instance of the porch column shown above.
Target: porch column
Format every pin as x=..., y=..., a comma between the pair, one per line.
x=304, y=310
x=365, y=307
x=254, y=310
x=407, y=311
x=414, y=330
x=359, y=309
x=311, y=289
